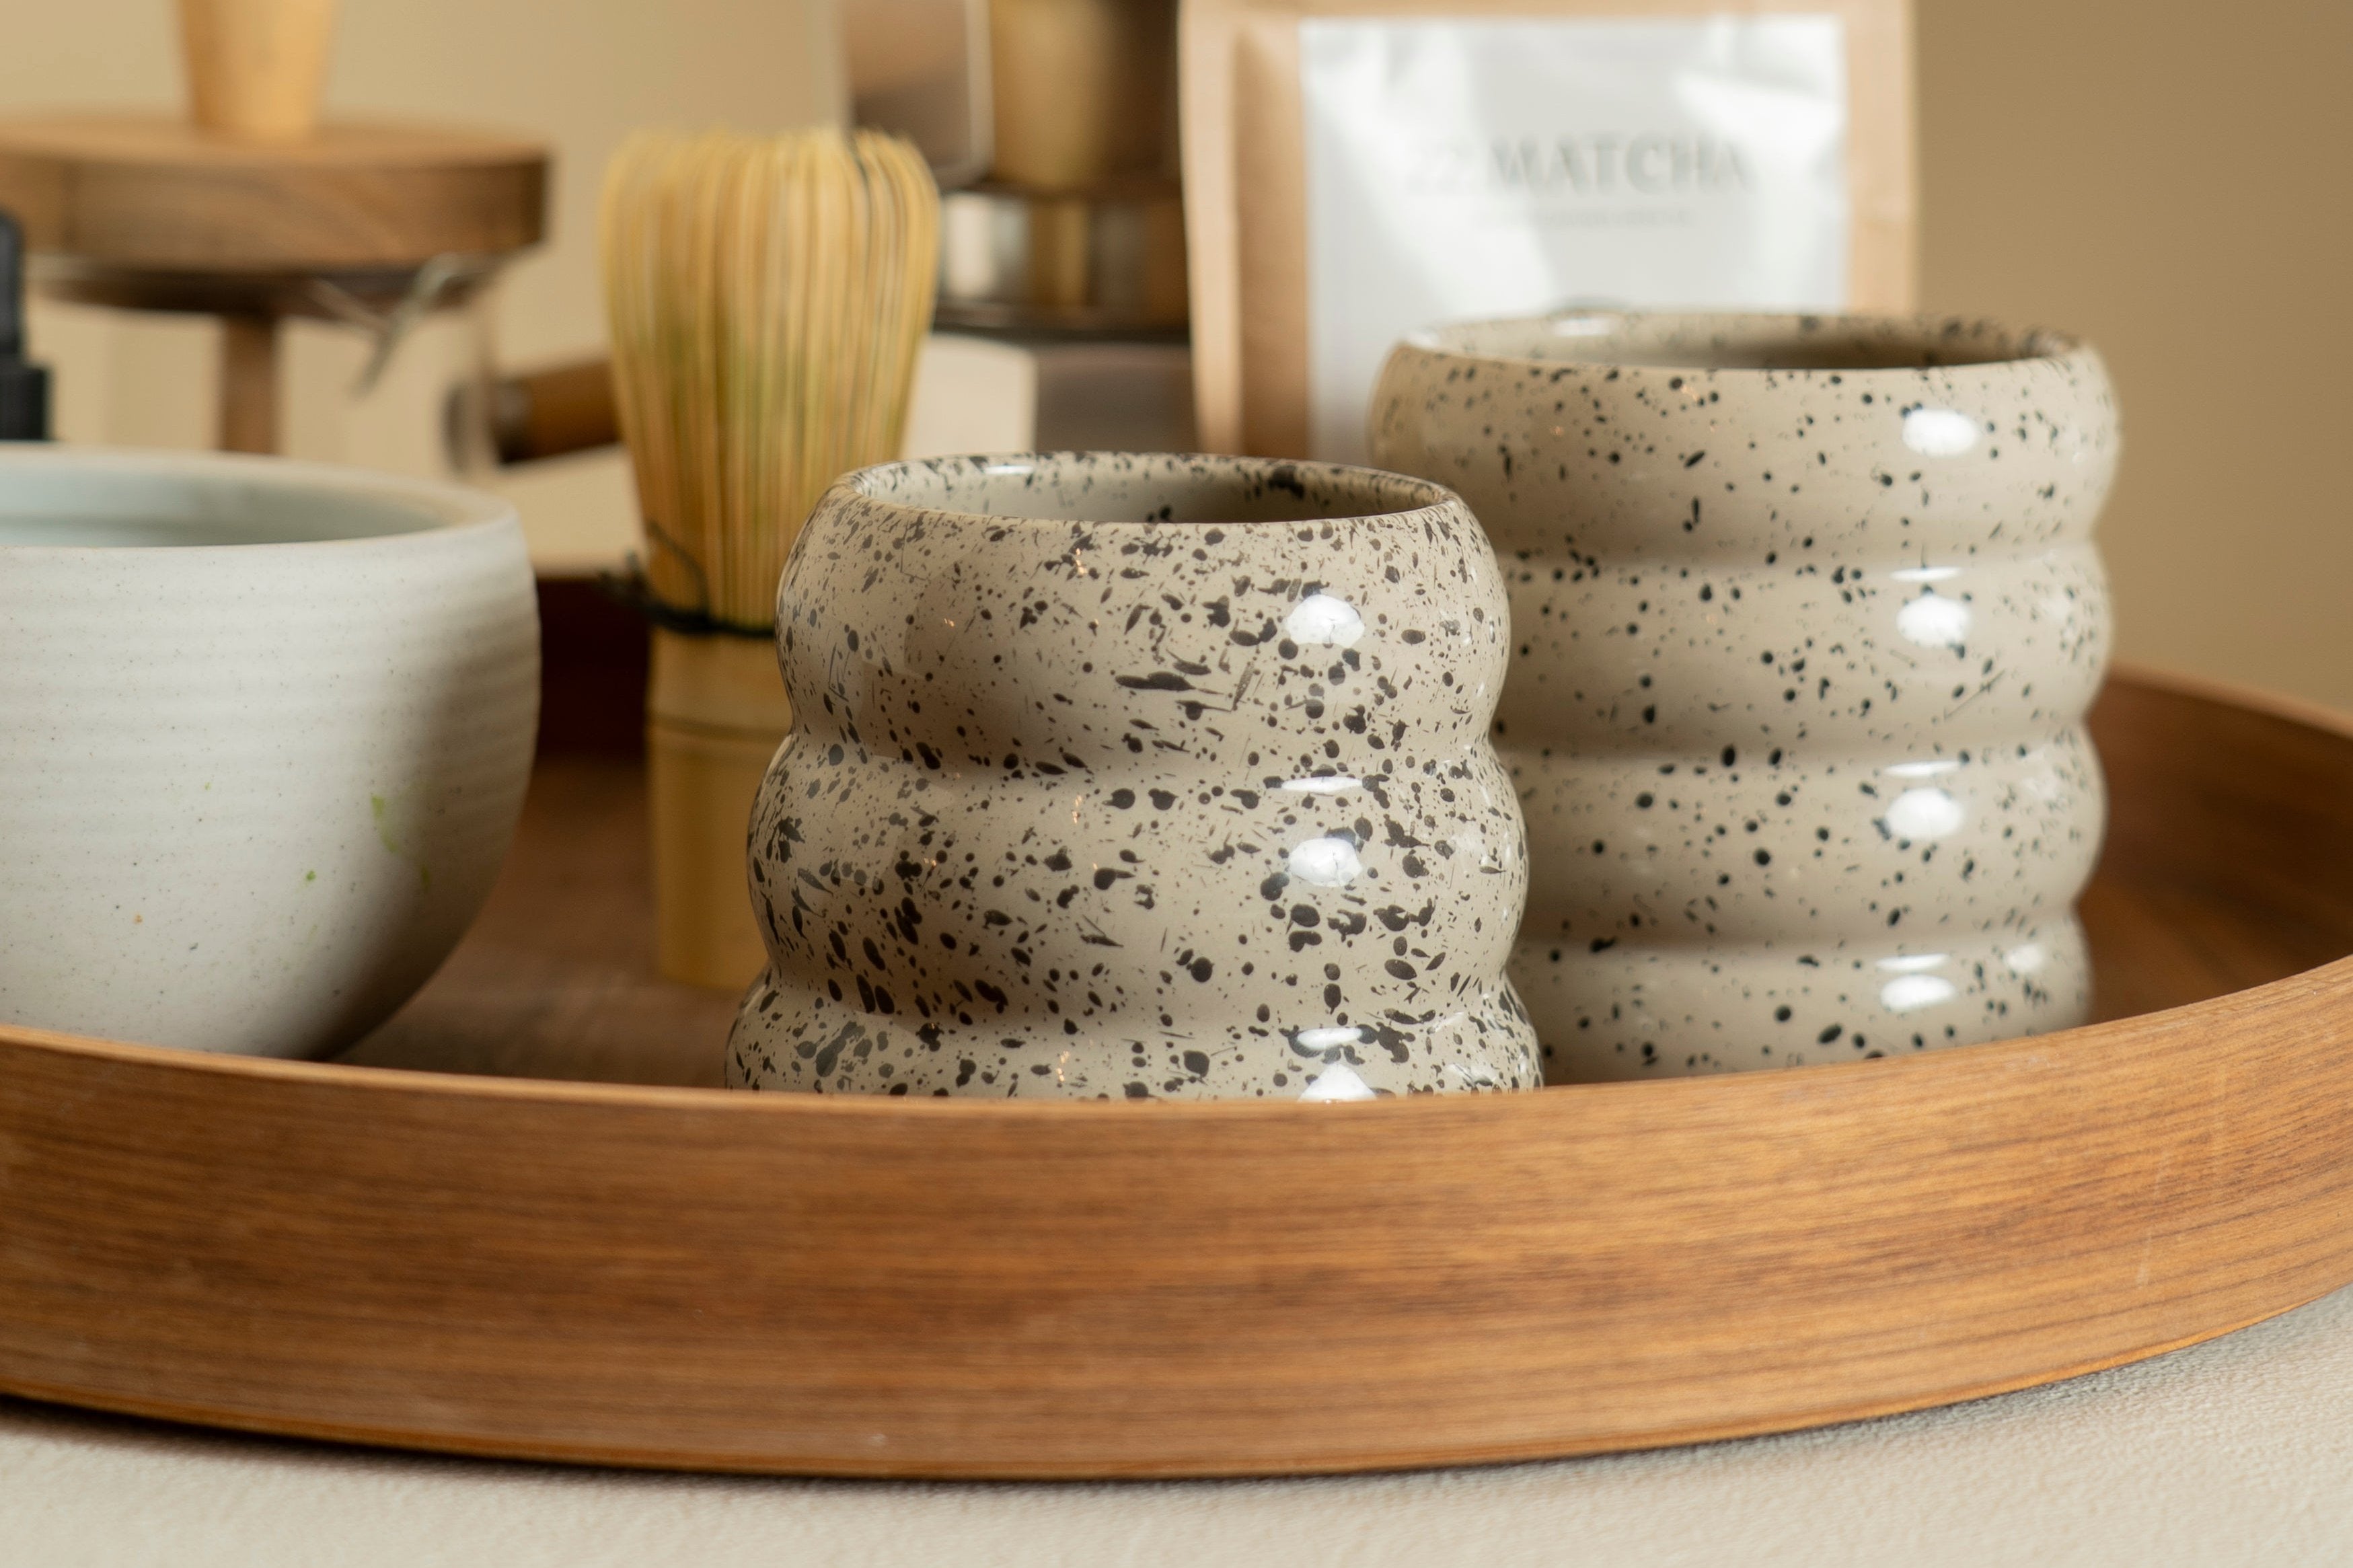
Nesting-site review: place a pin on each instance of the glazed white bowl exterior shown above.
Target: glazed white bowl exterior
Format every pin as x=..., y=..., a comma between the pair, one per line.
x=1806, y=617
x=265, y=728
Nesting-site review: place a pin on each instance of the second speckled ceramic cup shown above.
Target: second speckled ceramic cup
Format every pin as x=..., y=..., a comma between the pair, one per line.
x=1806, y=619
x=1137, y=777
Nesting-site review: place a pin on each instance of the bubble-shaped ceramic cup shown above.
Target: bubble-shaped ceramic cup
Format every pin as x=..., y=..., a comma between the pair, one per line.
x=1806, y=619
x=1137, y=777
x=265, y=728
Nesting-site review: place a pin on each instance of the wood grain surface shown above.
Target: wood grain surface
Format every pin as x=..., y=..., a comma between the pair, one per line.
x=673, y=1276
x=153, y=193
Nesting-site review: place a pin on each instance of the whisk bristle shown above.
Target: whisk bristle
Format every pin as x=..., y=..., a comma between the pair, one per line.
x=766, y=298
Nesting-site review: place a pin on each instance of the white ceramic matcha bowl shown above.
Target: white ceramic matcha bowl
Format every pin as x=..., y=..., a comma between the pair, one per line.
x=265, y=728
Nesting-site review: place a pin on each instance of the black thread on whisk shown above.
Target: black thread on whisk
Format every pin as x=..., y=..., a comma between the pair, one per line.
x=631, y=586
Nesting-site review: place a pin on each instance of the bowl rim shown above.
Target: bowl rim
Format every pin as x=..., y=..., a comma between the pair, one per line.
x=452, y=508
x=1409, y=495
x=1445, y=340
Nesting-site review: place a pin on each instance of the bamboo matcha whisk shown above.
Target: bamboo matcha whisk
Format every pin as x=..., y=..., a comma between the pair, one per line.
x=767, y=295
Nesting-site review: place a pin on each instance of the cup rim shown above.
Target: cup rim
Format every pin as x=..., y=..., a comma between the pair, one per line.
x=446, y=508
x=1890, y=332
x=1392, y=495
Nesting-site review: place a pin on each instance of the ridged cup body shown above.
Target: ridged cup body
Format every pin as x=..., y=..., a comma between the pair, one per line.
x=1807, y=616
x=265, y=728
x=1137, y=777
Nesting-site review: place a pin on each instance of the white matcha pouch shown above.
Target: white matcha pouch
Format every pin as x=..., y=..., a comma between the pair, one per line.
x=1356, y=171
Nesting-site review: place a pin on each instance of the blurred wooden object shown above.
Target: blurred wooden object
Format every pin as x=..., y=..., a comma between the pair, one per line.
x=677, y=1277
x=150, y=195
x=256, y=66
x=715, y=713
x=1085, y=93
x=972, y=394
x=919, y=68
x=248, y=383
x=594, y=668
x=551, y=413
x=153, y=214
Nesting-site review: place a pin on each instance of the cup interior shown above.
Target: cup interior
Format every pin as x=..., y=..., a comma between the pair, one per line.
x=1119, y=487
x=1741, y=342
x=56, y=496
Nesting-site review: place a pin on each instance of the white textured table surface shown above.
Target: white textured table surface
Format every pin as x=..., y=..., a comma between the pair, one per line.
x=2240, y=1451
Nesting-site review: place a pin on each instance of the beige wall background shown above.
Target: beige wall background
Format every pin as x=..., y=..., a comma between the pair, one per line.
x=2162, y=176
x=2166, y=178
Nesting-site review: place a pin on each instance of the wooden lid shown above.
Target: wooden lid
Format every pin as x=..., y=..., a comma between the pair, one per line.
x=139, y=191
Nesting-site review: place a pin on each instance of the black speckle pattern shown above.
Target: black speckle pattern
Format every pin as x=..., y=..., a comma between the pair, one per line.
x=1806, y=617
x=1138, y=777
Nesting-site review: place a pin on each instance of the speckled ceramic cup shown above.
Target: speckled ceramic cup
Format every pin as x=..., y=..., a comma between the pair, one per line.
x=1806, y=619
x=1141, y=777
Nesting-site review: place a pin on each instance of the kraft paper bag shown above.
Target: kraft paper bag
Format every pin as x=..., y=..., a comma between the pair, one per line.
x=1356, y=169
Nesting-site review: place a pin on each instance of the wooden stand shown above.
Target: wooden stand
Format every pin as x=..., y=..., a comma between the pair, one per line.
x=249, y=385
x=153, y=214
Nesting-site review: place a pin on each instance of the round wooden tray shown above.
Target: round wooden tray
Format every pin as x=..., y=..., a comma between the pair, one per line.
x=671, y=1276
